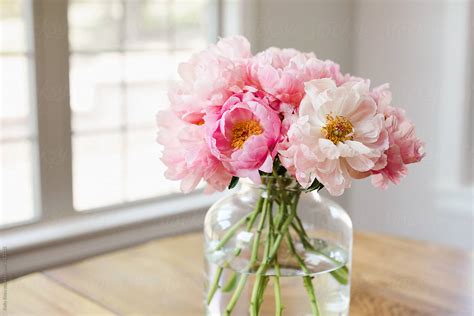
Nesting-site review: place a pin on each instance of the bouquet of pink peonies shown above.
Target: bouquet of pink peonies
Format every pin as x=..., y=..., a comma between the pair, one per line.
x=292, y=123
x=236, y=115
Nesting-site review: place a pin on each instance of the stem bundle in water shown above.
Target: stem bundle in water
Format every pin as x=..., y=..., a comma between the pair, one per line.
x=273, y=229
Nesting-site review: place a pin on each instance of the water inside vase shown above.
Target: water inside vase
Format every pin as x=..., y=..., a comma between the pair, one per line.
x=322, y=263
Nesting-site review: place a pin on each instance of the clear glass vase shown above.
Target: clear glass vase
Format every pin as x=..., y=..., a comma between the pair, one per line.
x=275, y=249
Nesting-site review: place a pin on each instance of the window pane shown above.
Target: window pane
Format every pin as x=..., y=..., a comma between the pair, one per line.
x=144, y=169
x=96, y=92
x=14, y=97
x=94, y=24
x=146, y=25
x=16, y=139
x=145, y=89
x=12, y=26
x=148, y=66
x=117, y=87
x=190, y=23
x=17, y=189
x=143, y=101
x=97, y=170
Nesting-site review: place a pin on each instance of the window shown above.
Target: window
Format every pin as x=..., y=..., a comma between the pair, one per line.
x=124, y=54
x=17, y=138
x=122, y=57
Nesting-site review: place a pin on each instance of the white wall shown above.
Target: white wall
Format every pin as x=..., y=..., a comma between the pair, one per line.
x=422, y=48
x=322, y=26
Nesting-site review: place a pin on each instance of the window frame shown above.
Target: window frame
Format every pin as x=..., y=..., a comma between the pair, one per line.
x=52, y=110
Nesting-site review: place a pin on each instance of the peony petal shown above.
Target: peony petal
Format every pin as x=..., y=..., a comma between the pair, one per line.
x=353, y=148
x=379, y=181
x=368, y=131
x=328, y=148
x=267, y=165
x=366, y=108
x=360, y=163
x=314, y=87
x=268, y=78
x=190, y=182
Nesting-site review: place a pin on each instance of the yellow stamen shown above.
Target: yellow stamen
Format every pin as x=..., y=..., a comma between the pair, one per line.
x=242, y=131
x=337, y=129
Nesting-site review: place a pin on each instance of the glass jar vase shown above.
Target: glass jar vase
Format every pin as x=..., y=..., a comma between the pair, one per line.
x=275, y=249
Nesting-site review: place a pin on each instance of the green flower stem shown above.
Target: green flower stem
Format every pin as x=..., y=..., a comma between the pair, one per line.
x=230, y=233
x=230, y=284
x=279, y=219
x=249, y=218
x=270, y=257
x=278, y=306
x=236, y=295
x=261, y=290
x=261, y=280
x=255, y=213
x=266, y=252
x=276, y=223
x=256, y=240
x=303, y=266
x=300, y=225
x=280, y=234
x=253, y=258
x=280, y=216
x=225, y=239
x=215, y=285
x=342, y=274
x=281, y=185
x=308, y=284
x=307, y=279
x=253, y=309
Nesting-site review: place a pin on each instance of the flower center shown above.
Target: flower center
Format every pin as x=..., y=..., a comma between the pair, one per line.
x=242, y=131
x=337, y=129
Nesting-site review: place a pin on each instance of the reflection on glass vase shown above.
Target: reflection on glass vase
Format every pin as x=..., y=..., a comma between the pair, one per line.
x=274, y=249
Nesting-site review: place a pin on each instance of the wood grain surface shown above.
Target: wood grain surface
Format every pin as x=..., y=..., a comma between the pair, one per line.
x=391, y=276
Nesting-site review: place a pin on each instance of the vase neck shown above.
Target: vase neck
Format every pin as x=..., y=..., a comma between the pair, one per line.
x=272, y=183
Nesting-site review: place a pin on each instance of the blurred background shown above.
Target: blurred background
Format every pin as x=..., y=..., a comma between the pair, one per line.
x=82, y=80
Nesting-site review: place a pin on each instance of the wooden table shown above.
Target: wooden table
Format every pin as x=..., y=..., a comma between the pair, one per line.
x=391, y=276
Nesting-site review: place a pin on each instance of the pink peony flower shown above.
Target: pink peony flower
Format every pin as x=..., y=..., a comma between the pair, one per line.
x=209, y=78
x=283, y=72
x=404, y=146
x=338, y=135
x=187, y=156
x=243, y=134
x=232, y=113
